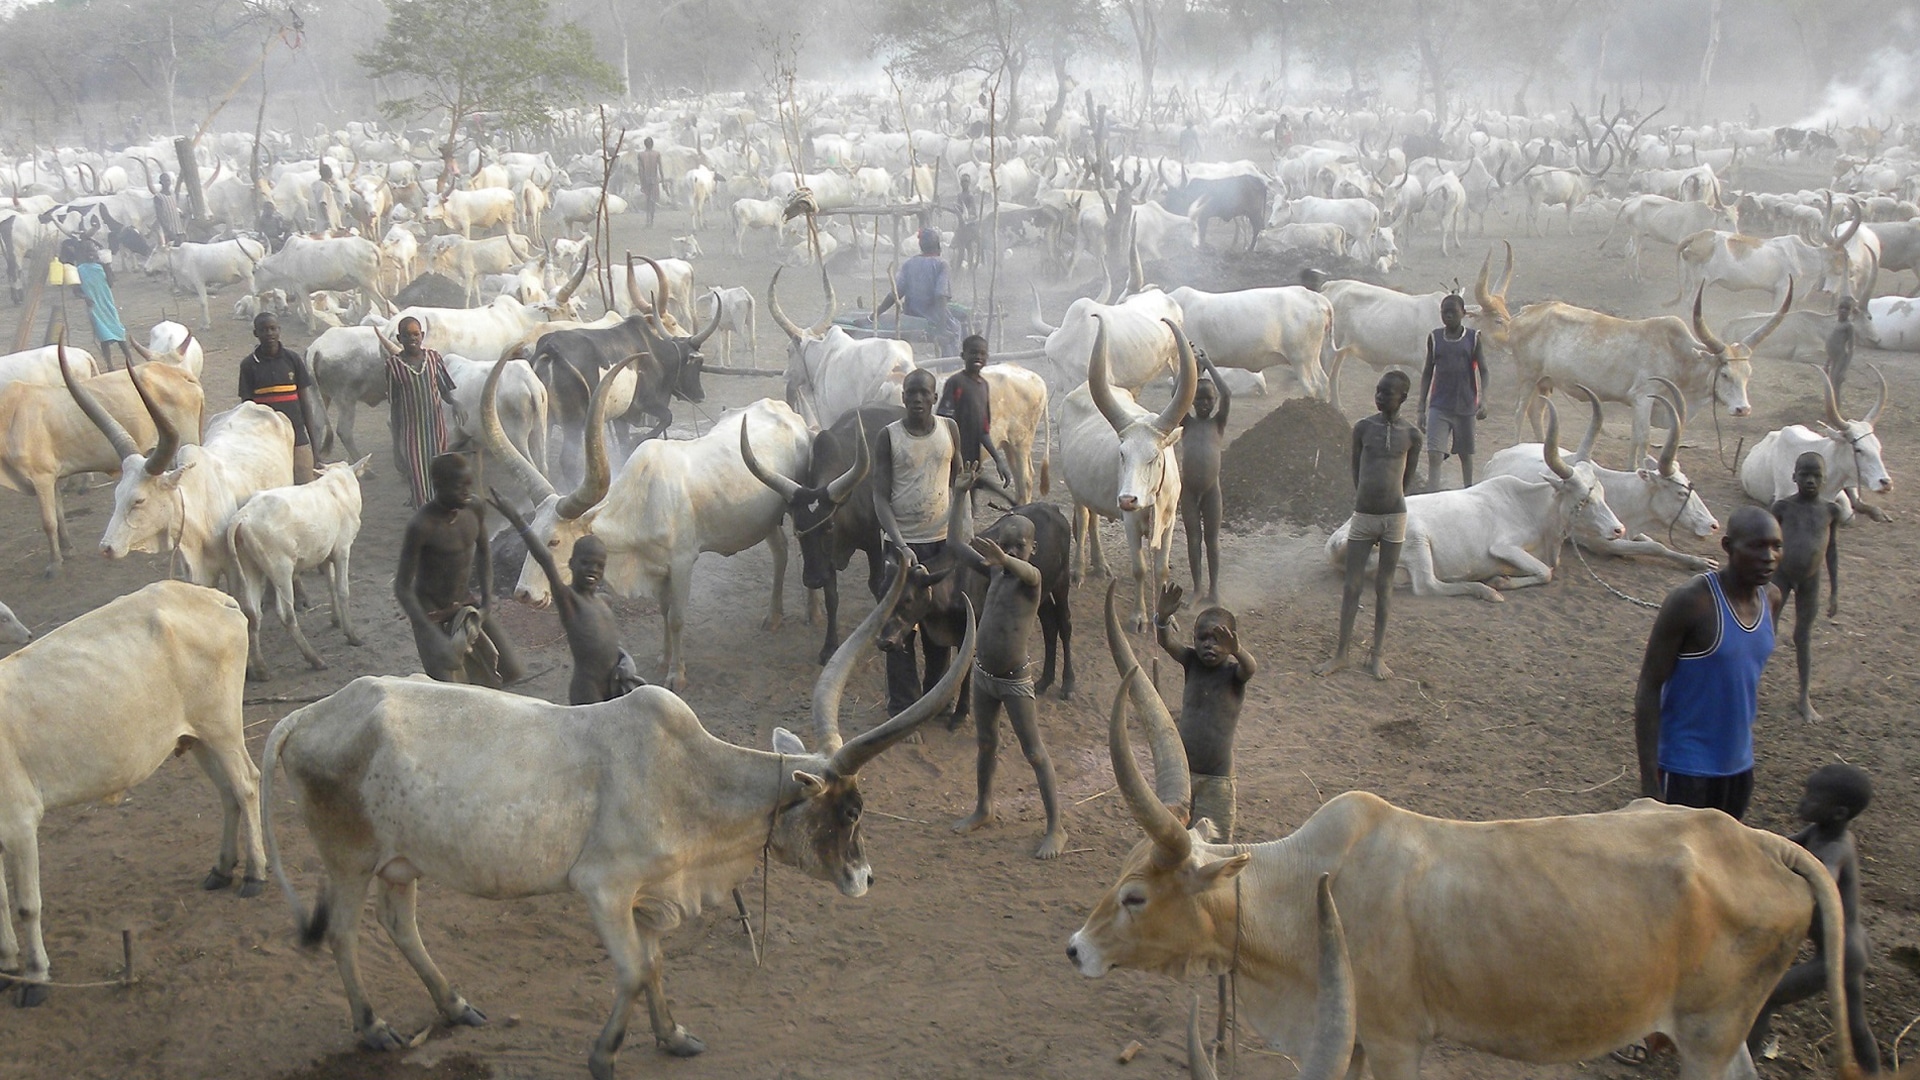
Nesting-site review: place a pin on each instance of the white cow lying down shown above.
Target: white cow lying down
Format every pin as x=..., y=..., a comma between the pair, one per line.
x=1468, y=542
x=93, y=708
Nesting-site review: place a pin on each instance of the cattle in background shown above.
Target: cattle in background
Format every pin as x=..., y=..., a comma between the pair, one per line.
x=198, y=267
x=1609, y=925
x=1257, y=329
x=630, y=802
x=731, y=307
x=93, y=708
x=829, y=372
x=1228, y=198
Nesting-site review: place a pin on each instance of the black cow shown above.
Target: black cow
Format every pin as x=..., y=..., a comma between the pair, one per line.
x=1228, y=198
x=833, y=511
x=570, y=363
x=933, y=601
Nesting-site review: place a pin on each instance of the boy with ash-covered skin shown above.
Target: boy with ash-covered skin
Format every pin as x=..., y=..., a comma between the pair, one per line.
x=1001, y=665
x=1386, y=451
x=1217, y=668
x=457, y=634
x=602, y=670
x=1809, y=536
x=1205, y=433
x=1836, y=794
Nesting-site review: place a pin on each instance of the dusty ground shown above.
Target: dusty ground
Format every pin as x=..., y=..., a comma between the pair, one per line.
x=953, y=966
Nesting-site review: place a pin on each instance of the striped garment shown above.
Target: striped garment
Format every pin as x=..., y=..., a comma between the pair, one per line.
x=418, y=417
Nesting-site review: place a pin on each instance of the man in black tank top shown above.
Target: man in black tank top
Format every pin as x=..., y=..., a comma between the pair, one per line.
x=1450, y=391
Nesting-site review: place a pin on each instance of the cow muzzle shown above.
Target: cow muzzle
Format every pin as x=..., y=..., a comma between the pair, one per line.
x=1085, y=956
x=527, y=596
x=1129, y=503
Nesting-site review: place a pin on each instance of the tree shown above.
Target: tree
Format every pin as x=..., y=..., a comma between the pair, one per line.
x=495, y=56
x=993, y=37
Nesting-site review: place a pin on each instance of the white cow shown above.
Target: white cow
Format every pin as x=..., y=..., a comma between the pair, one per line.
x=701, y=183
x=1656, y=498
x=672, y=501
x=41, y=366
x=829, y=373
x=579, y=206
x=736, y=307
x=467, y=261
x=281, y=532
x=751, y=214
x=200, y=266
x=1388, y=328
x=484, y=333
x=1669, y=221
x=1471, y=541
x=1118, y=462
x=1019, y=399
x=1316, y=236
x=520, y=400
x=1850, y=448
x=1260, y=329
x=1359, y=217
x=12, y=630
x=1142, y=329
x=630, y=802
x=1896, y=322
x=93, y=708
x=461, y=211
x=305, y=266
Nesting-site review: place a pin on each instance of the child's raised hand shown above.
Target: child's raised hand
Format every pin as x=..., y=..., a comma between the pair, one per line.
x=1169, y=602
x=989, y=550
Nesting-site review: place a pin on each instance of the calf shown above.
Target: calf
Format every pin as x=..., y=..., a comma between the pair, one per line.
x=200, y=266
x=93, y=708
x=733, y=305
x=286, y=531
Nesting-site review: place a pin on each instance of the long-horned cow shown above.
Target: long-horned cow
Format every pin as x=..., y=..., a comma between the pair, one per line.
x=631, y=803
x=93, y=708
x=831, y=374
x=1850, y=448
x=1469, y=541
x=1118, y=462
x=672, y=500
x=1542, y=940
x=1388, y=328
x=1620, y=359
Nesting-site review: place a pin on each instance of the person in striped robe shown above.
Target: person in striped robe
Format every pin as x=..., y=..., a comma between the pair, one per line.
x=418, y=392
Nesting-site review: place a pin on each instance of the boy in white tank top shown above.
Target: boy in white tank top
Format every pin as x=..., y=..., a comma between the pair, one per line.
x=916, y=462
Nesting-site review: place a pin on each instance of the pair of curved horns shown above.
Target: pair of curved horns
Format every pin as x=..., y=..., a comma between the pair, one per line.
x=792, y=328
x=837, y=489
x=1161, y=809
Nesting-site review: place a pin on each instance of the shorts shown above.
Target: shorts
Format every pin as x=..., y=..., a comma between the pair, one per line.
x=1213, y=799
x=1729, y=794
x=1386, y=528
x=1457, y=429
x=1001, y=689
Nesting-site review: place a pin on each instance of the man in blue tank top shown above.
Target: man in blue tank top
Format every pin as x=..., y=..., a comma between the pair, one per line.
x=1700, y=679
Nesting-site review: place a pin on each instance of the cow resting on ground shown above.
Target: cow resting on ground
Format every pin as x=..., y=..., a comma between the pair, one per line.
x=1468, y=542
x=1851, y=450
x=93, y=708
x=630, y=803
x=1543, y=940
x=286, y=531
x=1118, y=462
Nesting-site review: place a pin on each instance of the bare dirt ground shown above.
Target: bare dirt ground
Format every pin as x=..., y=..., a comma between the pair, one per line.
x=953, y=965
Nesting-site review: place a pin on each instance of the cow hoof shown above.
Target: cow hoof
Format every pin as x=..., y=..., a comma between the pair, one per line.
x=28, y=995
x=600, y=1067
x=317, y=664
x=216, y=880
x=260, y=674
x=826, y=654
x=681, y=1043
x=252, y=887
x=379, y=1036
x=1066, y=691
x=1078, y=576
x=770, y=623
x=469, y=1016
x=354, y=641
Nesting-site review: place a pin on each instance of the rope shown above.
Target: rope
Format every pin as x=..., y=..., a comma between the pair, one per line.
x=1603, y=582
x=19, y=980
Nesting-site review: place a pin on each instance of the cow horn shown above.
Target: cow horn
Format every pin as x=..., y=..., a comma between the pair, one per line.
x=865, y=747
x=494, y=438
x=1331, y=1051
x=1136, y=273
x=1162, y=810
x=1853, y=227
x=773, y=306
x=1106, y=289
x=826, y=286
x=663, y=298
x=1039, y=322
x=599, y=477
x=145, y=356
x=1481, y=294
x=1671, y=450
x=1551, y=451
x=169, y=444
x=840, y=487
x=1506, y=275
x=123, y=445
x=565, y=294
x=1097, y=379
x=785, y=487
x=389, y=346
x=1718, y=347
x=1585, y=453
x=148, y=174
x=1183, y=391
x=92, y=187
x=1874, y=413
x=638, y=302
x=827, y=690
x=1833, y=402
x=1752, y=341
x=701, y=337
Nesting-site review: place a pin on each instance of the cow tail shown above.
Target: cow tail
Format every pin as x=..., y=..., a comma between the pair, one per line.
x=1833, y=945
x=1046, y=449
x=312, y=928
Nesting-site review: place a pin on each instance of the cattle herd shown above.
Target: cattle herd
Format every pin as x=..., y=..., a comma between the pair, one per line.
x=1361, y=937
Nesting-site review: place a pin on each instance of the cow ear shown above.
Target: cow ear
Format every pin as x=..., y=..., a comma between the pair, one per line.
x=786, y=742
x=1175, y=435
x=811, y=786
x=1217, y=872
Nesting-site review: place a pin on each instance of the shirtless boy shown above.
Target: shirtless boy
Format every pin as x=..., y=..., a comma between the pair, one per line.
x=1386, y=451
x=1836, y=794
x=602, y=670
x=1205, y=433
x=1809, y=535
x=1217, y=669
x=1001, y=665
x=431, y=583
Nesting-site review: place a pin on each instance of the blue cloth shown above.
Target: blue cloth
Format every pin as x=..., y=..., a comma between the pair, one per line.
x=924, y=286
x=1453, y=386
x=100, y=305
x=1709, y=703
